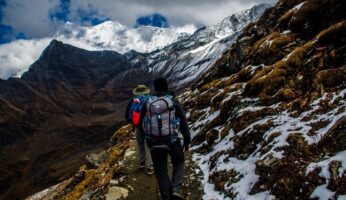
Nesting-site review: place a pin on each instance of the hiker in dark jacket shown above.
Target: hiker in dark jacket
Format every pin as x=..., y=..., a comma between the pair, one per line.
x=161, y=147
x=143, y=156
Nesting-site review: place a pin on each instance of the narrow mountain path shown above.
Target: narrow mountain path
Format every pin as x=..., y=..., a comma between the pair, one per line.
x=131, y=183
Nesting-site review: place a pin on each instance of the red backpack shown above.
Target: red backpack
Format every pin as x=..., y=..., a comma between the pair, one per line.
x=134, y=115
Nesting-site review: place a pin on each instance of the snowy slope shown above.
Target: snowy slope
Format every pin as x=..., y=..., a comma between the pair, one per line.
x=219, y=160
x=274, y=128
x=185, y=60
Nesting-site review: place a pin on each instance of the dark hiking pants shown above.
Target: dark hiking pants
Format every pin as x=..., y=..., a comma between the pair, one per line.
x=159, y=157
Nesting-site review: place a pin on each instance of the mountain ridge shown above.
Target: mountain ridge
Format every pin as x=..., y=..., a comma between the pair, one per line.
x=107, y=35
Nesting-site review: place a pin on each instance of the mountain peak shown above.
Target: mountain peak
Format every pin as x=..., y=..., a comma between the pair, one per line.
x=55, y=42
x=53, y=46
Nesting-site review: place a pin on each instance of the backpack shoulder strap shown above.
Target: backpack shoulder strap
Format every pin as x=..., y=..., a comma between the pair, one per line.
x=169, y=100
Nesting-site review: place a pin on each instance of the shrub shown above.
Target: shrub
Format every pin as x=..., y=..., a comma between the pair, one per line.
x=332, y=34
x=316, y=15
x=210, y=85
x=270, y=49
x=285, y=94
x=296, y=57
x=285, y=19
x=331, y=78
x=261, y=42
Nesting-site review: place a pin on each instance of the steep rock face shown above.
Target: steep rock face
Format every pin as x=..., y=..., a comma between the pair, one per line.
x=268, y=119
x=62, y=62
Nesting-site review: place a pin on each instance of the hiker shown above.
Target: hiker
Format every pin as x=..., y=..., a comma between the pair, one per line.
x=163, y=117
x=132, y=115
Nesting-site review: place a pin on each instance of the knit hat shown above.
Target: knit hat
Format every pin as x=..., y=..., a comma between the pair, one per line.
x=160, y=85
x=141, y=90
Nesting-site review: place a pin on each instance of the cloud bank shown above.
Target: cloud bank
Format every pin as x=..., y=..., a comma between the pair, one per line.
x=41, y=18
x=15, y=57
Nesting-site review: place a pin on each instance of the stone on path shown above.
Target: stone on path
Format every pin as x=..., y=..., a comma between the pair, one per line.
x=115, y=193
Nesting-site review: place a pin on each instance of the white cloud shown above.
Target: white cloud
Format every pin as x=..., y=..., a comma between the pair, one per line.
x=33, y=17
x=30, y=17
x=18, y=55
x=178, y=12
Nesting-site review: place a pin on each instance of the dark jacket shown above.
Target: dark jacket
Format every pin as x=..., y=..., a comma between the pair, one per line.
x=179, y=113
x=127, y=110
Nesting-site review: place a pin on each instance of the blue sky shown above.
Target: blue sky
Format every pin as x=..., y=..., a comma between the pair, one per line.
x=42, y=18
x=61, y=13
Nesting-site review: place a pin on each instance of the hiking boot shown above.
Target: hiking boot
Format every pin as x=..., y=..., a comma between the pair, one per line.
x=141, y=166
x=150, y=171
x=177, y=194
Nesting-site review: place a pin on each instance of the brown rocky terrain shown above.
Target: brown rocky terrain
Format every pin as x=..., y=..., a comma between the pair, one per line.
x=269, y=118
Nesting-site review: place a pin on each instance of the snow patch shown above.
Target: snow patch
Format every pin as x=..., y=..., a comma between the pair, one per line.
x=297, y=7
x=43, y=193
x=321, y=191
x=286, y=32
x=283, y=123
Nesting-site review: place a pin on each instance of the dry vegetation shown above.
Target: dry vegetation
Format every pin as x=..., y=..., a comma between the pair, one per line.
x=90, y=183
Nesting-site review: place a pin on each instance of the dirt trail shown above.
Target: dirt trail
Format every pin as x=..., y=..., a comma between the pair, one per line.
x=143, y=186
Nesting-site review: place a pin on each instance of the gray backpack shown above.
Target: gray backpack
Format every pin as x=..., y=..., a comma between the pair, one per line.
x=160, y=119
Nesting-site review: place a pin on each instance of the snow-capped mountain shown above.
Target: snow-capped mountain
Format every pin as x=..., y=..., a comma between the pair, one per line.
x=17, y=56
x=185, y=60
x=198, y=49
x=114, y=36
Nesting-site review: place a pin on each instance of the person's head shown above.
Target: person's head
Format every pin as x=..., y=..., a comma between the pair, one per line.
x=160, y=85
x=141, y=90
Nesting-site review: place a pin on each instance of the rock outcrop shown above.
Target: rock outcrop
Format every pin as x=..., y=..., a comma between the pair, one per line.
x=93, y=183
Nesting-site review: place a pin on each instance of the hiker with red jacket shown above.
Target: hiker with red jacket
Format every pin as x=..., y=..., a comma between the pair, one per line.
x=132, y=114
x=163, y=119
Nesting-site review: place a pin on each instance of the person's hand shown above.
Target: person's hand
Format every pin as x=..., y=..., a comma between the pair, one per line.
x=186, y=148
